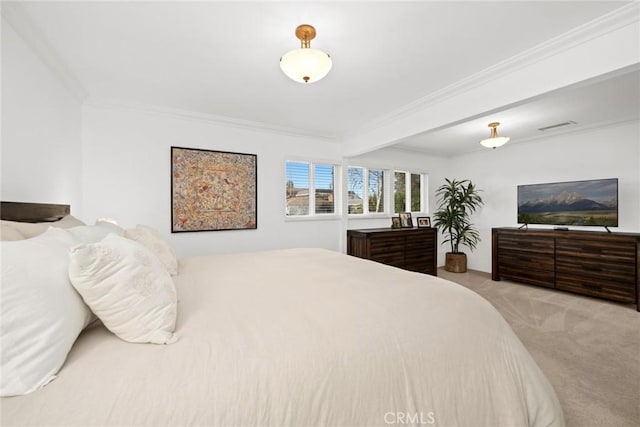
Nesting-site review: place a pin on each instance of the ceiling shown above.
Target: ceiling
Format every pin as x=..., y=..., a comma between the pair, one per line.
x=221, y=58
x=602, y=101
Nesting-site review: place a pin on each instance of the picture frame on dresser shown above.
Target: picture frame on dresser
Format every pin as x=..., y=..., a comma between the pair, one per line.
x=424, y=221
x=405, y=220
x=395, y=222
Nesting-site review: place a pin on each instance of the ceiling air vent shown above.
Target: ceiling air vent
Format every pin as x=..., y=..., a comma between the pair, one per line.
x=558, y=125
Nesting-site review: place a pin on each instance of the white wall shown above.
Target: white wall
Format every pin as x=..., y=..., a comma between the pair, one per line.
x=608, y=152
x=126, y=176
x=127, y=173
x=41, y=130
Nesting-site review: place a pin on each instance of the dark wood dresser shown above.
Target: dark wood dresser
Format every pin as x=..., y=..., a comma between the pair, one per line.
x=413, y=249
x=599, y=264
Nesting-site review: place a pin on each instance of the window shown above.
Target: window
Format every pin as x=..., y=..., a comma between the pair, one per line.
x=309, y=189
x=365, y=190
x=323, y=183
x=408, y=192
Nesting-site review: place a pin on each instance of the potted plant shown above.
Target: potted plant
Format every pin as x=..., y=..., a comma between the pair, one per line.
x=457, y=200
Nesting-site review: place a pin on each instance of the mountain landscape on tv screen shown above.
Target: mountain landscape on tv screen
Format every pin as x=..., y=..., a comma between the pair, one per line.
x=566, y=201
x=568, y=207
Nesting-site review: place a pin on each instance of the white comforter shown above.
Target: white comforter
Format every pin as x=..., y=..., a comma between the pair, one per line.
x=303, y=337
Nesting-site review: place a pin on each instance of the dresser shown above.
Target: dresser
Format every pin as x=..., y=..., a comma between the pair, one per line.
x=413, y=249
x=598, y=264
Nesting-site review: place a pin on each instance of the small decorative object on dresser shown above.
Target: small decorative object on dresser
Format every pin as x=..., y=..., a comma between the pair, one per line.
x=405, y=220
x=424, y=222
x=395, y=222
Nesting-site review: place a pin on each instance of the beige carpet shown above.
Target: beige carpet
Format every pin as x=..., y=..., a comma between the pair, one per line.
x=588, y=348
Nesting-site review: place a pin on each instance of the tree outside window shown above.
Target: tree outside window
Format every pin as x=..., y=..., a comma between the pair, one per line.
x=365, y=190
x=407, y=192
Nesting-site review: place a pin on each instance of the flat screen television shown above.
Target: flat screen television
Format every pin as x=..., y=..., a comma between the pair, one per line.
x=592, y=202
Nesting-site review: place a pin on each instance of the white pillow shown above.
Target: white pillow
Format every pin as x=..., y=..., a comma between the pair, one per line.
x=94, y=233
x=112, y=225
x=67, y=221
x=127, y=287
x=151, y=239
x=42, y=315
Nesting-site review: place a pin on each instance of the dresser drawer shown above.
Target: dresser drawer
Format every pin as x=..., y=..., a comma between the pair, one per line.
x=419, y=267
x=392, y=258
x=381, y=245
x=618, y=250
x=531, y=276
x=526, y=260
x=589, y=285
x=536, y=244
x=619, y=272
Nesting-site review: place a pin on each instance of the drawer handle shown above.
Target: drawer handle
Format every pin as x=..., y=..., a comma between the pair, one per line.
x=594, y=287
x=591, y=268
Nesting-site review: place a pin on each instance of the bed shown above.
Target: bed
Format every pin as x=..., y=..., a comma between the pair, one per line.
x=302, y=337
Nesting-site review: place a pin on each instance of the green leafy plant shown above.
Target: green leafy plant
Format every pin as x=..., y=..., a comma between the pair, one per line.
x=457, y=200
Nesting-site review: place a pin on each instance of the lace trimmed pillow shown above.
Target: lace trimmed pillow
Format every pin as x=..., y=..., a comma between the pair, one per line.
x=151, y=239
x=127, y=287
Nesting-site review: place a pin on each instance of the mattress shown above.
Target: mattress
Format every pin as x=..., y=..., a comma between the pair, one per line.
x=303, y=337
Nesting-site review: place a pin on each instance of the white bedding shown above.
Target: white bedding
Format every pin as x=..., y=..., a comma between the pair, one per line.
x=303, y=337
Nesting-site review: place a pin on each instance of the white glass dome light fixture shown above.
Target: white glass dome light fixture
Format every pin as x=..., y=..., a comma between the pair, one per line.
x=494, y=140
x=306, y=65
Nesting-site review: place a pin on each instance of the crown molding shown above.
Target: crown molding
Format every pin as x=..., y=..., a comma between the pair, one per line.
x=17, y=17
x=612, y=21
x=225, y=121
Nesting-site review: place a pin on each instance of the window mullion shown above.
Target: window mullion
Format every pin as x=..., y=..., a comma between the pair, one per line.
x=389, y=196
x=407, y=191
x=422, y=194
x=337, y=189
x=365, y=191
x=312, y=189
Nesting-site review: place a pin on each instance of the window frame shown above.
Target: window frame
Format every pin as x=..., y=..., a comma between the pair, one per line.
x=365, y=192
x=424, y=208
x=337, y=179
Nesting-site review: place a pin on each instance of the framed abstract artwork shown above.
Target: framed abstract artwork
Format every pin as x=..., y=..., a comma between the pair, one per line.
x=213, y=190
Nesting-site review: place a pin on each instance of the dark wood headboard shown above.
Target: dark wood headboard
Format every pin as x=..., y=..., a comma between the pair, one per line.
x=33, y=212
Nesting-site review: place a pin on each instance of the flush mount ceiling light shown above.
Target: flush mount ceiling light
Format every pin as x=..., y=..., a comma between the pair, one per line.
x=494, y=140
x=306, y=65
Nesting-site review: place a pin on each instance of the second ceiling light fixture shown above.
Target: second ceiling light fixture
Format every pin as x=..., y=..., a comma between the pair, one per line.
x=494, y=140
